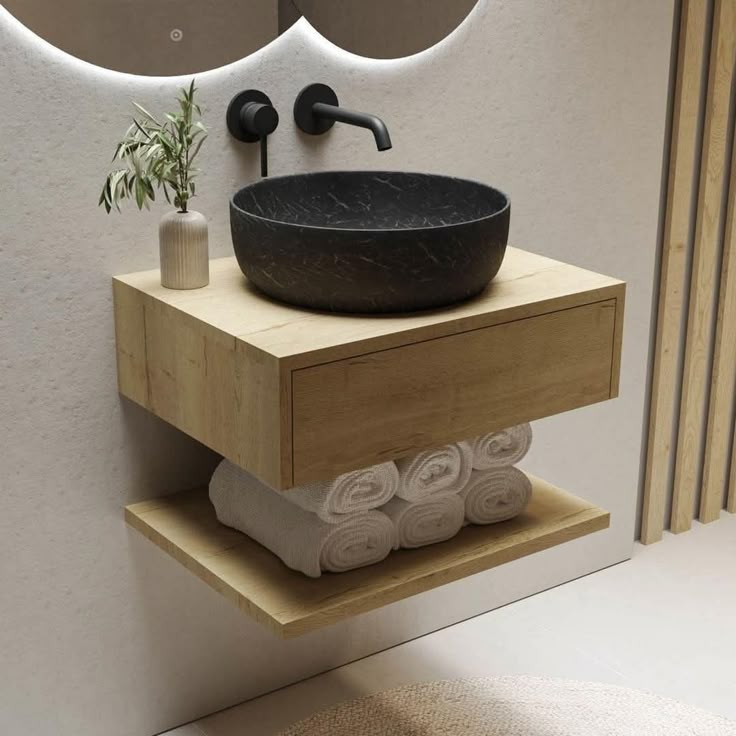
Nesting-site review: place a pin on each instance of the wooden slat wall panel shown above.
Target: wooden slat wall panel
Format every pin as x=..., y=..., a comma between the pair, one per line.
x=704, y=280
x=682, y=168
x=731, y=503
x=723, y=382
x=705, y=443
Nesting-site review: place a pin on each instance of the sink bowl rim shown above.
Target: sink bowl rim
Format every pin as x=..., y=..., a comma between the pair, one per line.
x=405, y=230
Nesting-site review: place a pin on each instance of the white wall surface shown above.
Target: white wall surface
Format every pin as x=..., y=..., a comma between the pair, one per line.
x=562, y=104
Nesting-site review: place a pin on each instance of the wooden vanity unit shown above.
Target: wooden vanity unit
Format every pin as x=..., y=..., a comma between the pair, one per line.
x=295, y=396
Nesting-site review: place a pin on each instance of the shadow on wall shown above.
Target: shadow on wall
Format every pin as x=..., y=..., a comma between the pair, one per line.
x=163, y=457
x=161, y=584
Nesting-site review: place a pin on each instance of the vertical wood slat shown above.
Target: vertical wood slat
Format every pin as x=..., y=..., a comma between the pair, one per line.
x=703, y=280
x=682, y=164
x=723, y=381
x=731, y=502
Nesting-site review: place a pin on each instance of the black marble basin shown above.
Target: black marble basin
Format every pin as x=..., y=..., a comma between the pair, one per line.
x=362, y=241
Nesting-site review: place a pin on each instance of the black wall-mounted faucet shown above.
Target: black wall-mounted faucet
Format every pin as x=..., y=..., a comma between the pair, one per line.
x=317, y=109
x=251, y=117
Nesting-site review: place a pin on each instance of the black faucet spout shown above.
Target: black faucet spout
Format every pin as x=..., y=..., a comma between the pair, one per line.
x=359, y=119
x=317, y=109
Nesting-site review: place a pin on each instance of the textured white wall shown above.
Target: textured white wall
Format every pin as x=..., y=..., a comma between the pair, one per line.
x=562, y=104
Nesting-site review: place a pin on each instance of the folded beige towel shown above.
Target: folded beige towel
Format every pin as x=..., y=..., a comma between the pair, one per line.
x=499, y=449
x=434, y=471
x=495, y=495
x=358, y=490
x=300, y=538
x=433, y=519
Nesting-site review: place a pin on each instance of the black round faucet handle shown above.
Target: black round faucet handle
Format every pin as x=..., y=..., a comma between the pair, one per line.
x=259, y=119
x=251, y=116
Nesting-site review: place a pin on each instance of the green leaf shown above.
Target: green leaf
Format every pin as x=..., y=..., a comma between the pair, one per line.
x=139, y=194
x=151, y=151
x=104, y=199
x=140, y=129
x=166, y=143
x=196, y=149
x=113, y=192
x=145, y=112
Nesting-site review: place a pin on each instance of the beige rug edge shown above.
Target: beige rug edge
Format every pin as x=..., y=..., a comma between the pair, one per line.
x=510, y=705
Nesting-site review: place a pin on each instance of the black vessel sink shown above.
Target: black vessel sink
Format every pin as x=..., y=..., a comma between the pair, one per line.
x=369, y=241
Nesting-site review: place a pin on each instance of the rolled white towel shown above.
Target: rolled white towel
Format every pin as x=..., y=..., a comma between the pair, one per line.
x=300, y=538
x=434, y=471
x=495, y=495
x=499, y=449
x=358, y=490
x=433, y=519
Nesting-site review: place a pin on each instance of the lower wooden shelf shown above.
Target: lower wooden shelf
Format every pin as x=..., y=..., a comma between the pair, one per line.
x=289, y=604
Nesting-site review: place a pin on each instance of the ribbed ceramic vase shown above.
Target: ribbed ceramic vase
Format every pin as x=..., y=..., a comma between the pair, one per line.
x=184, y=250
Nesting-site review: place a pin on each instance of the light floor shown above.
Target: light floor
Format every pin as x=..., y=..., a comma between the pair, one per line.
x=663, y=622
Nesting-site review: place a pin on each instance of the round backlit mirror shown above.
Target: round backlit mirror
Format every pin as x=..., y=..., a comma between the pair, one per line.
x=172, y=37
x=383, y=29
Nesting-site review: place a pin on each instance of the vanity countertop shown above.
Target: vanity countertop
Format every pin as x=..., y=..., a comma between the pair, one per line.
x=527, y=285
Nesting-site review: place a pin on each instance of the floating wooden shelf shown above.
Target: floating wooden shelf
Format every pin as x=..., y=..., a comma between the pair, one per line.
x=289, y=604
x=295, y=396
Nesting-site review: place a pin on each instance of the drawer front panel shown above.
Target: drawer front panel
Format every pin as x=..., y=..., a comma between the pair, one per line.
x=355, y=412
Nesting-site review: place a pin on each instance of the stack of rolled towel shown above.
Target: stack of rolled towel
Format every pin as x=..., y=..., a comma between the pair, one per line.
x=331, y=526
x=357, y=518
x=427, y=508
x=496, y=490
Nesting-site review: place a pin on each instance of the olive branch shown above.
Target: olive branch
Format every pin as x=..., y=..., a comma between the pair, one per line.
x=157, y=155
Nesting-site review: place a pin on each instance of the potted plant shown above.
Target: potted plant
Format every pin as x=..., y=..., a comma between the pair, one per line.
x=159, y=156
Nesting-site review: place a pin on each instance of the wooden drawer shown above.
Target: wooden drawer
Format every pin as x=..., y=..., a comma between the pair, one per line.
x=383, y=405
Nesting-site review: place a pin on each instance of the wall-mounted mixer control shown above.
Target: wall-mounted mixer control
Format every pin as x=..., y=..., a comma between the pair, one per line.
x=251, y=118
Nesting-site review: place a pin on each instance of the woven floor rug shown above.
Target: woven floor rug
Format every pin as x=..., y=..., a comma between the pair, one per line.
x=512, y=706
